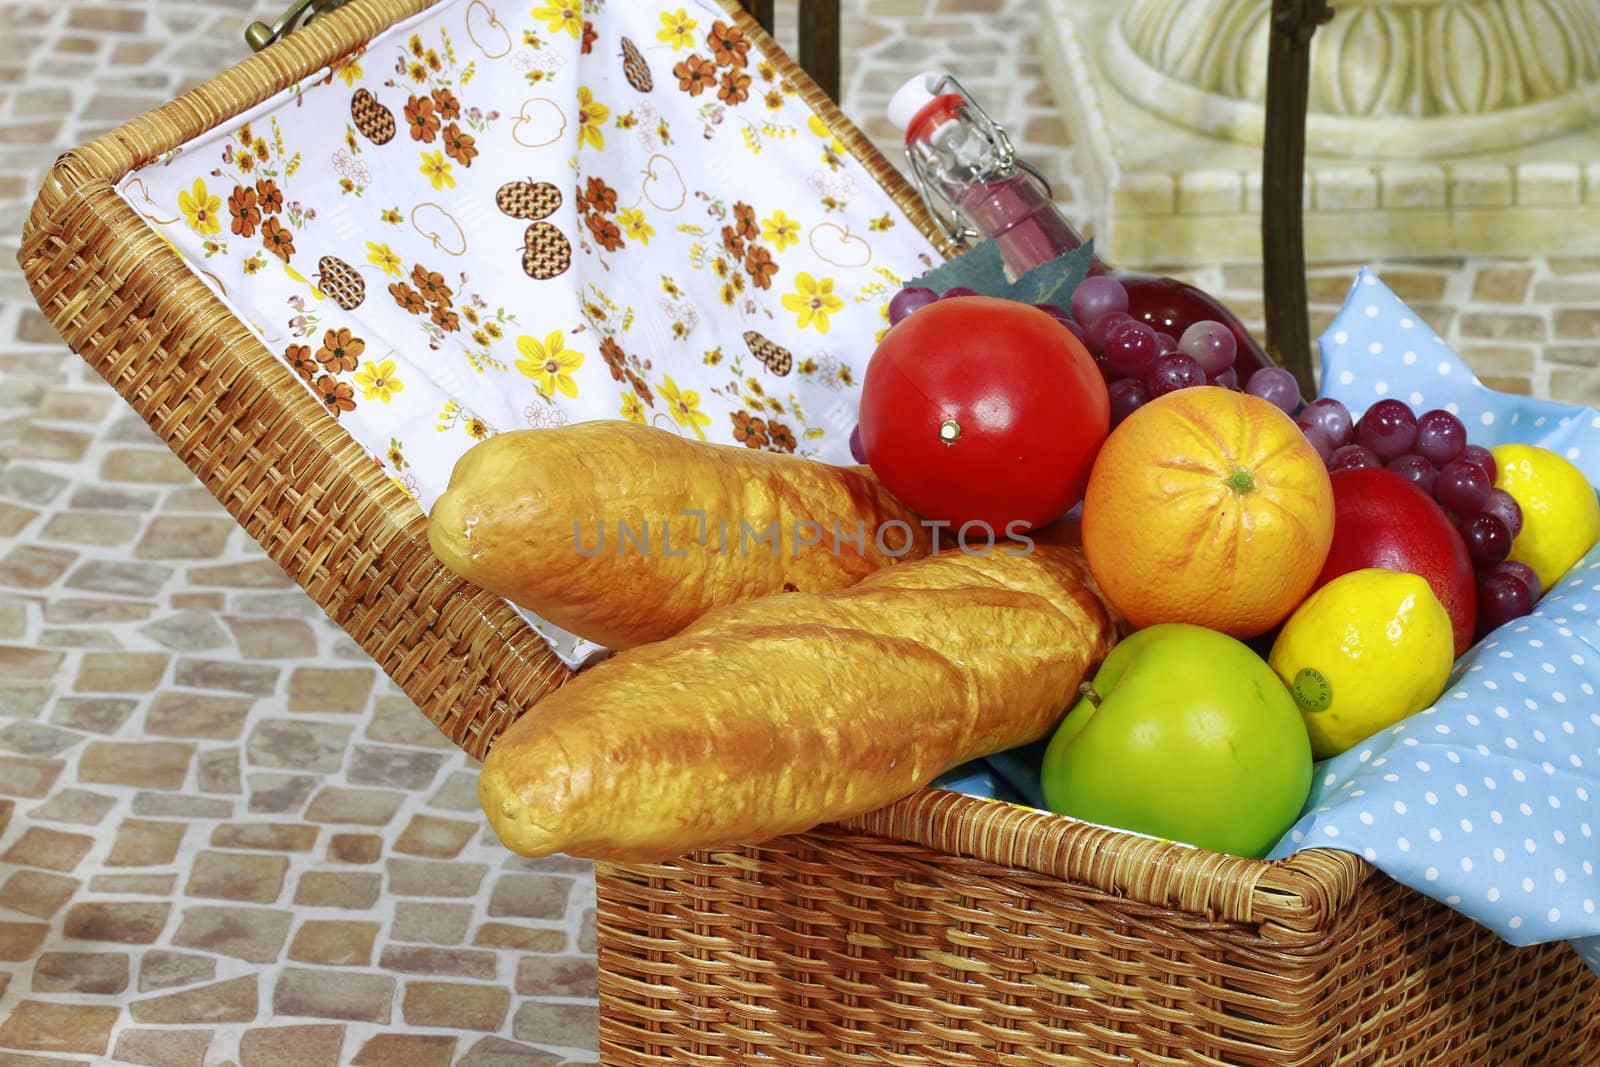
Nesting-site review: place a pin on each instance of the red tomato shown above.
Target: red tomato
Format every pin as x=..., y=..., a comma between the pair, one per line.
x=982, y=410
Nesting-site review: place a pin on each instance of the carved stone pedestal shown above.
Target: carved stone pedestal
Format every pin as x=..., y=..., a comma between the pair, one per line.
x=1434, y=126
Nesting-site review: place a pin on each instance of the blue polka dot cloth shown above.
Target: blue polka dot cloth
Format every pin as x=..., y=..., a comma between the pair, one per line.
x=1489, y=800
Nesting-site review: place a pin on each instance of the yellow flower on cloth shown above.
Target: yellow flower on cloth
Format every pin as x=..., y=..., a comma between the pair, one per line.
x=591, y=113
x=812, y=301
x=437, y=170
x=551, y=364
x=349, y=72
x=677, y=29
x=383, y=257
x=632, y=408
x=633, y=223
x=834, y=152
x=378, y=382
x=203, y=210
x=780, y=230
x=685, y=406
x=562, y=15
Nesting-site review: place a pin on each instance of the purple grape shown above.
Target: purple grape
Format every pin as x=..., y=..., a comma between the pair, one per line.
x=1501, y=598
x=1353, y=456
x=1064, y=319
x=1503, y=506
x=857, y=453
x=1440, y=437
x=1520, y=571
x=1098, y=328
x=1131, y=349
x=1166, y=344
x=958, y=290
x=1098, y=296
x=1413, y=468
x=1487, y=538
x=1228, y=379
x=1318, y=441
x=1277, y=387
x=1105, y=369
x=1483, y=458
x=1127, y=396
x=1462, y=487
x=1173, y=372
x=1212, y=345
x=909, y=299
x=1331, y=417
x=1388, y=428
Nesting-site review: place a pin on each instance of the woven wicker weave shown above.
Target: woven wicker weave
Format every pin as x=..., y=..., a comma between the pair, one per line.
x=942, y=930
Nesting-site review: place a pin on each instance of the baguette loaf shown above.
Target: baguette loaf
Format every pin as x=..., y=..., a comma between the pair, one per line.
x=772, y=716
x=625, y=534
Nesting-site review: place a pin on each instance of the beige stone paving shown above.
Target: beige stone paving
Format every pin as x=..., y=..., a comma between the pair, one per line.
x=225, y=837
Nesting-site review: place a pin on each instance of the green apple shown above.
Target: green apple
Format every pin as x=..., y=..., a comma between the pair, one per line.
x=1184, y=734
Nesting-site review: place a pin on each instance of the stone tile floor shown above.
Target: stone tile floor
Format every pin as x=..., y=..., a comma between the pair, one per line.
x=225, y=837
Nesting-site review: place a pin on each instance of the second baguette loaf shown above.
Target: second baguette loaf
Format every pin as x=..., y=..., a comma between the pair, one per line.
x=772, y=716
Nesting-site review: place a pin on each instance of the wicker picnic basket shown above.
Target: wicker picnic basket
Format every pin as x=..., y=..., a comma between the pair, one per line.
x=941, y=930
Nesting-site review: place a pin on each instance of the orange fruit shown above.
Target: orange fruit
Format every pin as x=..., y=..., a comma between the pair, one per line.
x=1209, y=507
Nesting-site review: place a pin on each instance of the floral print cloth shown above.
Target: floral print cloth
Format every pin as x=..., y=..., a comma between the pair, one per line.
x=498, y=216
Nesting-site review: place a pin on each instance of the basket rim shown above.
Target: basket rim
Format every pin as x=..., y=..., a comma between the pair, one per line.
x=1303, y=892
x=1307, y=891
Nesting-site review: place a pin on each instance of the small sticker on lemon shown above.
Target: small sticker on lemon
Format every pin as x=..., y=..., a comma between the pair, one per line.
x=1311, y=689
x=1363, y=652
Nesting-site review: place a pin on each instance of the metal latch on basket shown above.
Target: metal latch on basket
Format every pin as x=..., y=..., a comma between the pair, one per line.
x=258, y=34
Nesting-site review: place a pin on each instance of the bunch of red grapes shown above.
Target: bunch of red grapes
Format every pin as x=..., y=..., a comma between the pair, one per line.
x=1140, y=363
x=1432, y=451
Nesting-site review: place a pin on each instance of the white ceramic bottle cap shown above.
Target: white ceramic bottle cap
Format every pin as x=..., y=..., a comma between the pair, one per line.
x=912, y=97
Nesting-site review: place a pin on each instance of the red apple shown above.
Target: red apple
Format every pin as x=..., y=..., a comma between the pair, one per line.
x=1381, y=519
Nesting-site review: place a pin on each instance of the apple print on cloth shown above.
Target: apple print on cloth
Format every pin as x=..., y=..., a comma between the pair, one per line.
x=1490, y=800
x=497, y=216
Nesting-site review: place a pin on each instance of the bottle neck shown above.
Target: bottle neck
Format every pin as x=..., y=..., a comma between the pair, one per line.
x=953, y=150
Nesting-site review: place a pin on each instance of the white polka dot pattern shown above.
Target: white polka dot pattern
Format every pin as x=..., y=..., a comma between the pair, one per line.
x=1490, y=799
x=1374, y=348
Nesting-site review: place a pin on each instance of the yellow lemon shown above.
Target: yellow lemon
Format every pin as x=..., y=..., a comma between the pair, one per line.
x=1363, y=652
x=1560, y=515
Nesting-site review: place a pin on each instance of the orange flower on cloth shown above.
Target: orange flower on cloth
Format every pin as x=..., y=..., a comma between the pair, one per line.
x=336, y=395
x=340, y=350
x=695, y=74
x=420, y=119
x=277, y=239
x=246, y=215
x=300, y=359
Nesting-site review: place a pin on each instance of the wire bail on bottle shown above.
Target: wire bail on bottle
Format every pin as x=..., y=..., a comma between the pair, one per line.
x=944, y=210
